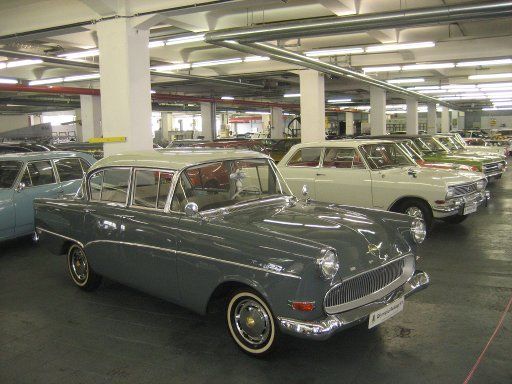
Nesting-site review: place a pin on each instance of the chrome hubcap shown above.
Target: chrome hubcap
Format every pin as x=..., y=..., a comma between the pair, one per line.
x=414, y=212
x=252, y=321
x=79, y=264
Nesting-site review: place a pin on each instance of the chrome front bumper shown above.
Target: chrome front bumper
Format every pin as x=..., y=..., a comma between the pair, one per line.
x=457, y=206
x=325, y=328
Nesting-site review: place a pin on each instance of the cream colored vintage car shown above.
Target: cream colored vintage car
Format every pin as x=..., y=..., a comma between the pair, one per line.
x=378, y=174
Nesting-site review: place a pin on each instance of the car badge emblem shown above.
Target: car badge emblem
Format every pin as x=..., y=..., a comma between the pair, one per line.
x=374, y=250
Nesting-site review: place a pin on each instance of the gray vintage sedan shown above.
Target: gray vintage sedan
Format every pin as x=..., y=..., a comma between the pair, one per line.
x=198, y=226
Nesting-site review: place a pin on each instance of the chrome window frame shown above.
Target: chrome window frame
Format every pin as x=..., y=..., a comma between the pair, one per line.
x=65, y=158
x=19, y=175
x=159, y=170
x=25, y=167
x=320, y=159
x=356, y=150
x=102, y=169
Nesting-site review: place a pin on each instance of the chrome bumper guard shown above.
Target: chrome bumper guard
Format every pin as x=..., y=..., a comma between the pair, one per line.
x=459, y=203
x=325, y=328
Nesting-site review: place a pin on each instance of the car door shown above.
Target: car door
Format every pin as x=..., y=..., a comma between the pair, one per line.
x=149, y=235
x=343, y=178
x=301, y=169
x=103, y=219
x=38, y=180
x=70, y=173
x=9, y=173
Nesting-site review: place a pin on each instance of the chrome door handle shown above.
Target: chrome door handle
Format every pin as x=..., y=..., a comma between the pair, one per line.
x=88, y=210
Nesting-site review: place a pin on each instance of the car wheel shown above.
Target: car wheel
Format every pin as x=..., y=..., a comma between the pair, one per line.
x=456, y=219
x=80, y=270
x=417, y=208
x=251, y=323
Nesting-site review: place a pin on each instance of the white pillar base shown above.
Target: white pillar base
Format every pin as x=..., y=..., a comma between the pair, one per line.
x=349, y=123
x=208, y=122
x=377, y=111
x=431, y=119
x=90, y=115
x=277, y=131
x=411, y=123
x=445, y=120
x=312, y=106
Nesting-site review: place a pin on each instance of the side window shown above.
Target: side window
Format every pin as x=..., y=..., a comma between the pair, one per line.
x=38, y=173
x=85, y=165
x=115, y=185
x=69, y=169
x=151, y=188
x=95, y=183
x=342, y=158
x=305, y=157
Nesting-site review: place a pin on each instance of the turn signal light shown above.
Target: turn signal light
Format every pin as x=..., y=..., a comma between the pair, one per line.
x=306, y=306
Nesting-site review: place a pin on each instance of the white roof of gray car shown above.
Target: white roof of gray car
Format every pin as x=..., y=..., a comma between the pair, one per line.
x=342, y=143
x=175, y=158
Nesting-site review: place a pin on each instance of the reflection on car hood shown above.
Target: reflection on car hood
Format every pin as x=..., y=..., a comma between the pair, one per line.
x=363, y=238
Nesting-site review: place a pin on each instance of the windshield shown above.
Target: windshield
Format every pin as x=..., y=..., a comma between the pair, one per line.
x=9, y=171
x=411, y=149
x=385, y=155
x=429, y=145
x=227, y=183
x=450, y=143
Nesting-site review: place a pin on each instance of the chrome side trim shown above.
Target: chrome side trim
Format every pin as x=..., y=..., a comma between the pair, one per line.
x=194, y=255
x=39, y=229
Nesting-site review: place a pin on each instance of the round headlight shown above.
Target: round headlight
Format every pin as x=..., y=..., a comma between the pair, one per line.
x=450, y=191
x=328, y=264
x=418, y=230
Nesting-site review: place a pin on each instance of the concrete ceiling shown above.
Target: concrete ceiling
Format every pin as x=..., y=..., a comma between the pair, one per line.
x=60, y=26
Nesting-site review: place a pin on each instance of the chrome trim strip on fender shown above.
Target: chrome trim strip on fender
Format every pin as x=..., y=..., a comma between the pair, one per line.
x=195, y=255
x=59, y=235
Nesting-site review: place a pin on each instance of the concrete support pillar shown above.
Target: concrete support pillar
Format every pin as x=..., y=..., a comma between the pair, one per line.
x=224, y=125
x=266, y=123
x=431, y=118
x=377, y=111
x=125, y=85
x=277, y=131
x=208, y=122
x=90, y=115
x=312, y=106
x=445, y=120
x=411, y=122
x=166, y=124
x=460, y=120
x=349, y=123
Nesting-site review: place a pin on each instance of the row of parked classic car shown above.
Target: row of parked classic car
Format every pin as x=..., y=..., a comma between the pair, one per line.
x=291, y=248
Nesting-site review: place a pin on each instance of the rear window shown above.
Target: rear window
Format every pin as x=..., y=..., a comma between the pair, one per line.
x=110, y=185
x=69, y=169
x=151, y=188
x=305, y=157
x=9, y=171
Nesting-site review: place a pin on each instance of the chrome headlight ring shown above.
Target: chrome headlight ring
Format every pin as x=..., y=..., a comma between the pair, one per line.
x=328, y=264
x=418, y=230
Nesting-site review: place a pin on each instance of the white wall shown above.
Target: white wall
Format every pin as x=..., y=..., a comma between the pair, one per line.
x=503, y=122
x=10, y=122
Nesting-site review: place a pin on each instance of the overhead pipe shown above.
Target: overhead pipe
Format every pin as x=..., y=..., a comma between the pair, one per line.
x=285, y=55
x=155, y=96
x=84, y=64
x=362, y=23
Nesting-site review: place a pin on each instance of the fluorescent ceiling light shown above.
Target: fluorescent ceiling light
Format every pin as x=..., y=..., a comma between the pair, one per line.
x=291, y=95
x=81, y=54
x=156, y=43
x=496, y=109
x=334, y=52
x=22, y=63
x=458, y=86
x=8, y=81
x=406, y=81
x=502, y=103
x=396, y=106
x=46, y=81
x=491, y=76
x=399, y=47
x=415, y=67
x=152, y=91
x=171, y=67
x=185, y=39
x=216, y=62
x=335, y=101
x=432, y=91
x=423, y=87
x=387, y=68
x=227, y=98
x=484, y=62
x=257, y=113
x=395, y=112
x=494, y=85
x=250, y=59
x=82, y=77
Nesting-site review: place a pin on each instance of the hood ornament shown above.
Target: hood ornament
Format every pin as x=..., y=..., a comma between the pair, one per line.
x=375, y=250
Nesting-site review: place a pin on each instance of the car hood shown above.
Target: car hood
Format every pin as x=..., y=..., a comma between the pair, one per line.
x=475, y=156
x=436, y=176
x=363, y=238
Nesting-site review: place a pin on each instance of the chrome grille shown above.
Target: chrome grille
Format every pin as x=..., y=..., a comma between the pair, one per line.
x=491, y=168
x=364, y=284
x=465, y=189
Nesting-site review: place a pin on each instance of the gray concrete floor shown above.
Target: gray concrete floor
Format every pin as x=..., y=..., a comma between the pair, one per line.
x=51, y=332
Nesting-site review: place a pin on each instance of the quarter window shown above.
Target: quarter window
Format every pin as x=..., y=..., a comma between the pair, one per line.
x=306, y=157
x=69, y=169
x=38, y=173
x=151, y=188
x=342, y=158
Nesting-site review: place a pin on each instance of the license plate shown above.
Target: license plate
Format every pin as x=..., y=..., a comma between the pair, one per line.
x=469, y=208
x=385, y=313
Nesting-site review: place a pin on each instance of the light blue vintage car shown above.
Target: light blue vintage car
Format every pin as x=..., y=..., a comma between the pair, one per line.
x=25, y=176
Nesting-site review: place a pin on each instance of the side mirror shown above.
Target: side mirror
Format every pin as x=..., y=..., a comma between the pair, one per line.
x=21, y=186
x=305, y=190
x=191, y=210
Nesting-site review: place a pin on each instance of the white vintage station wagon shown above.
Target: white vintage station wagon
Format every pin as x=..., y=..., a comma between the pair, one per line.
x=378, y=174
